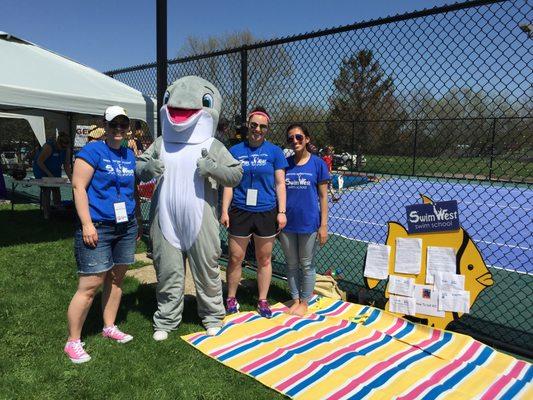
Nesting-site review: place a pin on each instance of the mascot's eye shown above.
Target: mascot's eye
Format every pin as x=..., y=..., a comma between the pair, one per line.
x=166, y=97
x=207, y=100
x=470, y=267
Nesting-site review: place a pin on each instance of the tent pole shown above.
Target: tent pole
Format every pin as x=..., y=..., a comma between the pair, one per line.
x=72, y=134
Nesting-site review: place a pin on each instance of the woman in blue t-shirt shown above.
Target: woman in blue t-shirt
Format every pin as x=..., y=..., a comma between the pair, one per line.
x=54, y=155
x=306, y=180
x=257, y=208
x=103, y=183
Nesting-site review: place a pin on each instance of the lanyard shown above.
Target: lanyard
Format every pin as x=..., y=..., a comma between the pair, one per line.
x=253, y=167
x=117, y=178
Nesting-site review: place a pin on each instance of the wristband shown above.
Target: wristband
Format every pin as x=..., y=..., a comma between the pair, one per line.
x=282, y=212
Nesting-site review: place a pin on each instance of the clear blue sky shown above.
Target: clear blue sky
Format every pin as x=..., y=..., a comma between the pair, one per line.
x=112, y=34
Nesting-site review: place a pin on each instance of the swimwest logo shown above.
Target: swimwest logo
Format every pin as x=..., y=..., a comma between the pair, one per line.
x=442, y=216
x=120, y=168
x=256, y=160
x=297, y=180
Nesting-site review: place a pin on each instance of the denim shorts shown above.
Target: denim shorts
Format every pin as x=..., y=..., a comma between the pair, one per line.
x=116, y=245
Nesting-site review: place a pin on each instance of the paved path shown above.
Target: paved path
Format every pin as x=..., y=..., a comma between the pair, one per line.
x=146, y=275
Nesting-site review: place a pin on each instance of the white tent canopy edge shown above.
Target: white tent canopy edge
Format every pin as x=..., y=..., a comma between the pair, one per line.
x=36, y=124
x=34, y=78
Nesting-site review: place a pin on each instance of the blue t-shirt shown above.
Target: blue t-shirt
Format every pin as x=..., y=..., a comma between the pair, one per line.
x=258, y=164
x=303, y=212
x=113, y=169
x=53, y=163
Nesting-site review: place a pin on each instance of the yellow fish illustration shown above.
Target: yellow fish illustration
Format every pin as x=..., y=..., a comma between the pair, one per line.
x=468, y=263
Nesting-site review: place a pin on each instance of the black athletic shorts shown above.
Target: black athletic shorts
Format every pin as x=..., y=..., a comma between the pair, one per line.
x=244, y=223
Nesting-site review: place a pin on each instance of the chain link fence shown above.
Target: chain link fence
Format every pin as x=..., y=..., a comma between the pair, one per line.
x=435, y=103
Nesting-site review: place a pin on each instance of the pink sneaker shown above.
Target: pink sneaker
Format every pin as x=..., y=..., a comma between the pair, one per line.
x=112, y=332
x=75, y=352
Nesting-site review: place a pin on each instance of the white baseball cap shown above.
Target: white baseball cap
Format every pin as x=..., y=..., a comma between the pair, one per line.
x=112, y=112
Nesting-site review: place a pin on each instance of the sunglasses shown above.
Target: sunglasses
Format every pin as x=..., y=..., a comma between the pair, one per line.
x=262, y=127
x=121, y=125
x=299, y=137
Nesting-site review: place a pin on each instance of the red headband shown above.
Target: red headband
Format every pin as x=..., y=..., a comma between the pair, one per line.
x=259, y=113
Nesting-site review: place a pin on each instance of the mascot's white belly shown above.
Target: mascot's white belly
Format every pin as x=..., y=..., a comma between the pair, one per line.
x=181, y=200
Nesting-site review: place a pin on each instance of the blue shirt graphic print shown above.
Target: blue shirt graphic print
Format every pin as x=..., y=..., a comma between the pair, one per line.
x=258, y=164
x=303, y=212
x=114, y=171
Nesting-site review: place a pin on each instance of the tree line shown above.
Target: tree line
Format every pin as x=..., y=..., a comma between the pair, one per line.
x=366, y=112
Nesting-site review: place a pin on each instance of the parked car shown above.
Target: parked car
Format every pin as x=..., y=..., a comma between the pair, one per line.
x=8, y=160
x=347, y=160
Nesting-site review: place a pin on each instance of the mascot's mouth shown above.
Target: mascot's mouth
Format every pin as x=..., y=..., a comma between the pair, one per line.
x=180, y=115
x=486, y=279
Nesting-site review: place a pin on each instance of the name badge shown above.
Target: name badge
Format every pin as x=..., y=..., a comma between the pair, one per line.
x=121, y=214
x=251, y=197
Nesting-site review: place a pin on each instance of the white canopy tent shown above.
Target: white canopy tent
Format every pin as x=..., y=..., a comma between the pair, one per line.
x=33, y=79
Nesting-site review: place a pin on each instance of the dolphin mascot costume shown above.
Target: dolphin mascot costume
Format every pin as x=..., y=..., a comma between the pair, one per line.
x=189, y=165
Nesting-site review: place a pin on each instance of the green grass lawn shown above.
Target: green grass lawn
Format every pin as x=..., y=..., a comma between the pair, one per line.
x=37, y=281
x=503, y=169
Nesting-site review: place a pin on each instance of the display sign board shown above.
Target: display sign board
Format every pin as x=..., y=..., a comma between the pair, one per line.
x=80, y=139
x=435, y=273
x=436, y=217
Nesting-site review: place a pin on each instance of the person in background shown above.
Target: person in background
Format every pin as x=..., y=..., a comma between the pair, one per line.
x=222, y=133
x=104, y=185
x=257, y=208
x=239, y=135
x=306, y=179
x=328, y=158
x=32, y=154
x=138, y=135
x=129, y=142
x=48, y=162
x=311, y=148
x=96, y=134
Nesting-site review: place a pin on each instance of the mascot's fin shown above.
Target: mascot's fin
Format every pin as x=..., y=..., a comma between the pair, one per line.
x=425, y=199
x=371, y=283
x=395, y=230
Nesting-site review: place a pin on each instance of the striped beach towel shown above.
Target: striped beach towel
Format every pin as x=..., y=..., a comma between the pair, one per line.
x=343, y=350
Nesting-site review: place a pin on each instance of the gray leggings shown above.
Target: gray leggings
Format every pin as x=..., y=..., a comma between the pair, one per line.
x=300, y=250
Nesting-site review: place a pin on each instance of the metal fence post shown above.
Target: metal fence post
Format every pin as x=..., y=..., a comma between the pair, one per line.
x=72, y=135
x=244, y=83
x=352, y=148
x=161, y=27
x=492, y=147
x=414, y=146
